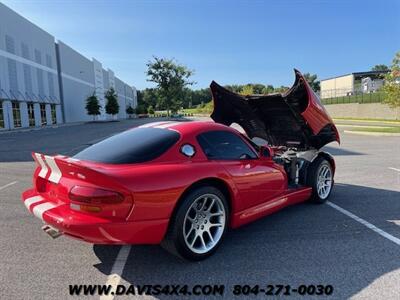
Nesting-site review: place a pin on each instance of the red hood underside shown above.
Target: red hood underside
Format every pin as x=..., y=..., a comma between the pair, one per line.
x=296, y=118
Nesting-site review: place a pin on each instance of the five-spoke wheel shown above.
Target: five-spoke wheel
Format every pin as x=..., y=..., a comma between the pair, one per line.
x=204, y=223
x=320, y=178
x=199, y=224
x=324, y=183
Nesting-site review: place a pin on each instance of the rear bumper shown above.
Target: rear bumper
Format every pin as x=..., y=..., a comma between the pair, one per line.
x=90, y=228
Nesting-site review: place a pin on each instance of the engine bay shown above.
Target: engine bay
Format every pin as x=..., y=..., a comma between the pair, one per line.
x=295, y=161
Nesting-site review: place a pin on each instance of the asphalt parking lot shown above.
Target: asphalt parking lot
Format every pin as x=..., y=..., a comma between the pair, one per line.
x=302, y=244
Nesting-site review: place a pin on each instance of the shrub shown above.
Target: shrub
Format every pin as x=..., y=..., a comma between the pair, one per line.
x=130, y=111
x=93, y=106
x=112, y=106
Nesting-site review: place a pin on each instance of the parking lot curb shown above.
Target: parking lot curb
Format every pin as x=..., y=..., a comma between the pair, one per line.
x=27, y=129
x=371, y=133
x=392, y=122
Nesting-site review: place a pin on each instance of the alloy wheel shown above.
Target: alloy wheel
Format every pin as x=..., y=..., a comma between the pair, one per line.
x=204, y=223
x=324, y=183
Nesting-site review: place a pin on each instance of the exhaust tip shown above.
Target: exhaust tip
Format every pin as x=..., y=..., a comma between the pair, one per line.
x=51, y=231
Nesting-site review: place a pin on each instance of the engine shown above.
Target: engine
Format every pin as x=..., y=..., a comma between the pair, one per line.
x=295, y=162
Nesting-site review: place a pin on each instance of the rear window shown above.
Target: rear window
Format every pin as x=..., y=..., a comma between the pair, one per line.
x=132, y=146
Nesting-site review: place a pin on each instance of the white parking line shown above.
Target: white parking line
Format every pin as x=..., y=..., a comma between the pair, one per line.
x=394, y=169
x=116, y=272
x=366, y=224
x=7, y=185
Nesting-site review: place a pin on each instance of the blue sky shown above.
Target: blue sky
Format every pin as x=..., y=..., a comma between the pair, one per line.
x=227, y=41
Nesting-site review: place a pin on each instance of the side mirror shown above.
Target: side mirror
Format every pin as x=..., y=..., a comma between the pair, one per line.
x=266, y=152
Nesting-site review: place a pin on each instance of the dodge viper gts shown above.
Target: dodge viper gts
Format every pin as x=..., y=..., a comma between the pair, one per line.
x=183, y=184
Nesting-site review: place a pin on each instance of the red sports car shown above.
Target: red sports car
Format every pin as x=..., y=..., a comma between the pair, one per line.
x=182, y=184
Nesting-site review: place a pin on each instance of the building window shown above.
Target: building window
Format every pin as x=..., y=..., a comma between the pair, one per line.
x=48, y=61
x=10, y=45
x=39, y=75
x=13, y=76
x=50, y=80
x=31, y=114
x=25, y=51
x=16, y=114
x=38, y=56
x=27, y=78
x=53, y=114
x=1, y=116
x=43, y=114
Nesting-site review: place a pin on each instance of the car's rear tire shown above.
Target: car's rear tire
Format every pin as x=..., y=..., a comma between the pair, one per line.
x=198, y=225
x=320, y=178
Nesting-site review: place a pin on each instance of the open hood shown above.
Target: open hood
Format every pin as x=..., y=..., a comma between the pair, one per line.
x=294, y=119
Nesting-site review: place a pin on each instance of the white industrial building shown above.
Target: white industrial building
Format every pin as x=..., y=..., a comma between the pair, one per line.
x=44, y=82
x=352, y=84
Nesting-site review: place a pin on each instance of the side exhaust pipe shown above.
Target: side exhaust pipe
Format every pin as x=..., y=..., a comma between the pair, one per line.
x=51, y=231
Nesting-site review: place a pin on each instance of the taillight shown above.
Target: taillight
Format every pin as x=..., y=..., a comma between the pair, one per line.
x=41, y=184
x=92, y=195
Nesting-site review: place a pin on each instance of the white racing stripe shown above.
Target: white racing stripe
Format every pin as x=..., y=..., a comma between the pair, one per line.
x=40, y=209
x=7, y=185
x=32, y=200
x=55, y=174
x=44, y=170
x=116, y=272
x=168, y=125
x=153, y=124
x=365, y=223
x=45, y=164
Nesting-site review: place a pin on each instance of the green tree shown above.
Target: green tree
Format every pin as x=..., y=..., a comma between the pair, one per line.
x=93, y=106
x=170, y=78
x=187, y=97
x=312, y=81
x=281, y=89
x=112, y=106
x=247, y=90
x=236, y=88
x=267, y=90
x=150, y=98
x=140, y=94
x=392, y=83
x=251, y=88
x=380, y=68
x=141, y=109
x=150, y=110
x=130, y=111
x=258, y=88
x=201, y=95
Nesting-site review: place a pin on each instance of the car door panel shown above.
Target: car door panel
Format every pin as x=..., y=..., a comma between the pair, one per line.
x=256, y=181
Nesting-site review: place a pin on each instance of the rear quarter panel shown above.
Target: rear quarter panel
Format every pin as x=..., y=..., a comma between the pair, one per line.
x=156, y=188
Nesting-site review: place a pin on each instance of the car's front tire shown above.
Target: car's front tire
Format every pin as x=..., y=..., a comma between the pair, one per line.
x=320, y=178
x=199, y=224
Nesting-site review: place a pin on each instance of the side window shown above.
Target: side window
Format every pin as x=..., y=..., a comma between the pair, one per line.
x=224, y=145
